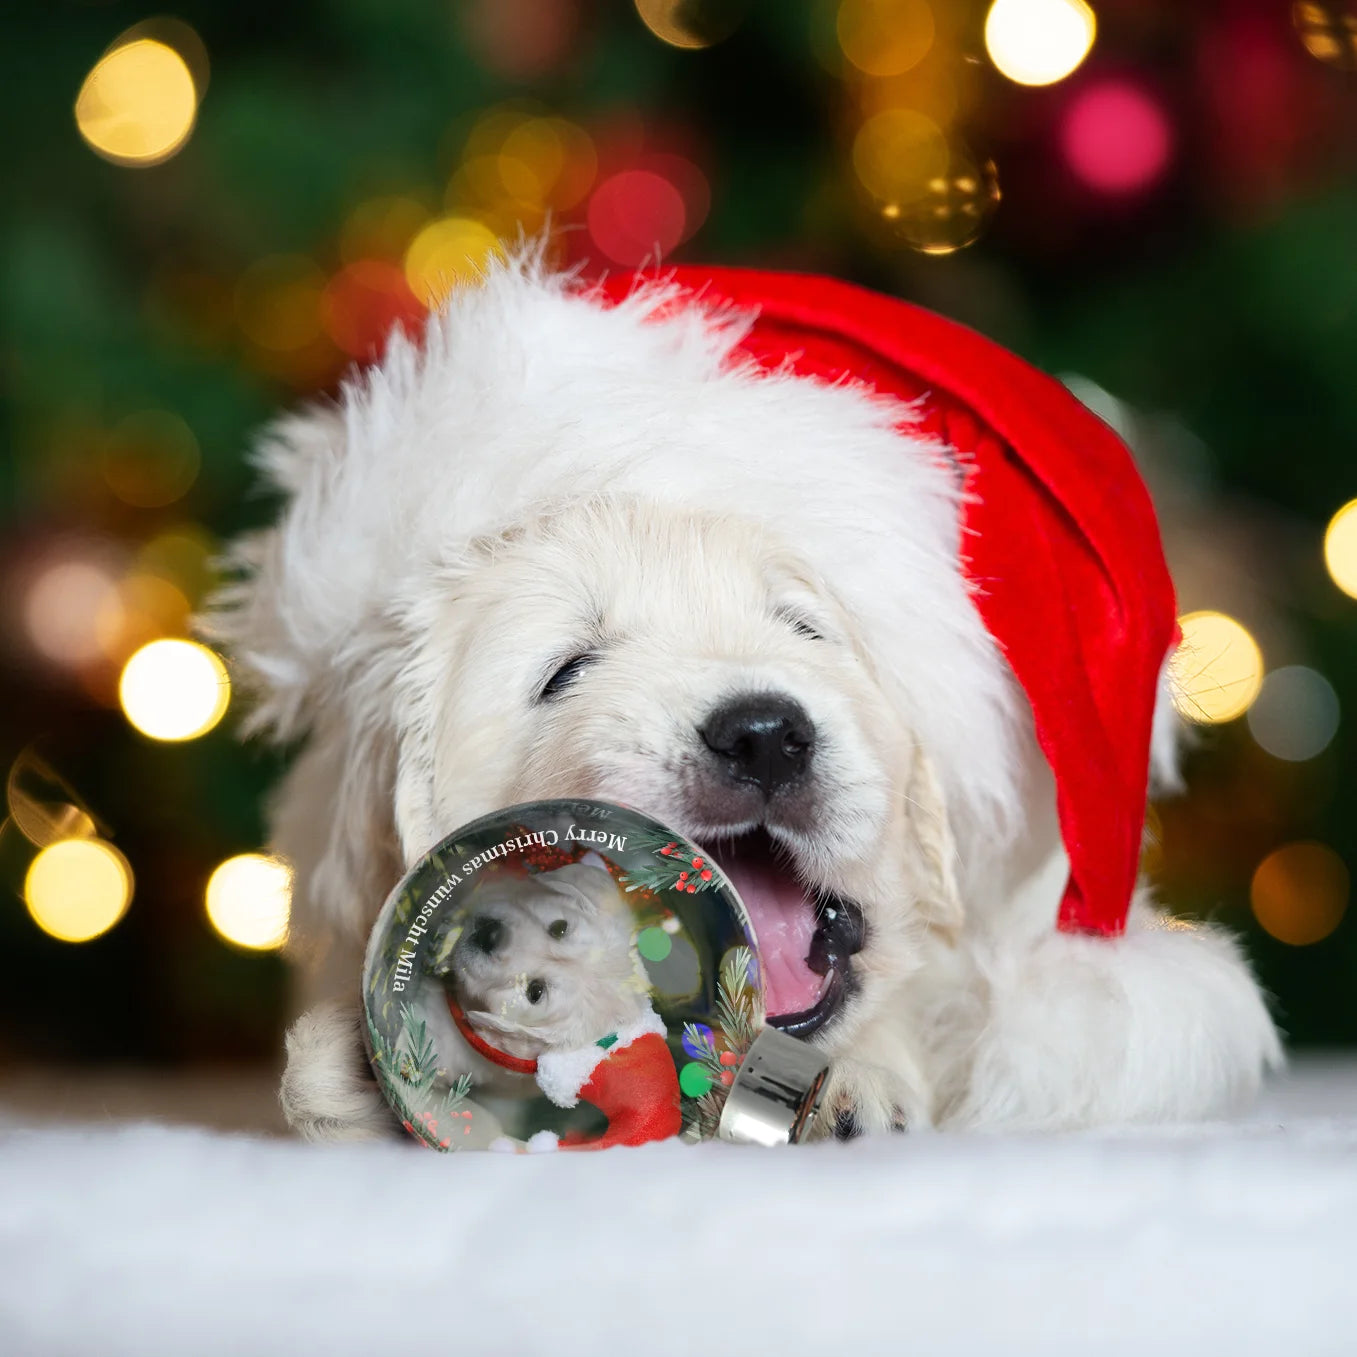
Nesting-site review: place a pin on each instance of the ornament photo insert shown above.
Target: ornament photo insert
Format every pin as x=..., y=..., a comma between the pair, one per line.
x=561, y=975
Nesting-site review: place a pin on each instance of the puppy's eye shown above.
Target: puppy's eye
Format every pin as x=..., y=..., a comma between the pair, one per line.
x=799, y=625
x=565, y=676
x=557, y=928
x=536, y=989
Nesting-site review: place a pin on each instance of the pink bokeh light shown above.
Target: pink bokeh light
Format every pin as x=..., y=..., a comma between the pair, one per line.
x=636, y=216
x=1115, y=137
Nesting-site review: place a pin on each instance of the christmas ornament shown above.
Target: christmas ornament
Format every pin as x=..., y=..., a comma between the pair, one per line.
x=572, y=974
x=951, y=211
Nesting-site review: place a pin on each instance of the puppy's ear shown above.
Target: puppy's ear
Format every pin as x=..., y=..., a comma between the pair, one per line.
x=592, y=886
x=316, y=679
x=495, y=1022
x=332, y=820
x=934, y=857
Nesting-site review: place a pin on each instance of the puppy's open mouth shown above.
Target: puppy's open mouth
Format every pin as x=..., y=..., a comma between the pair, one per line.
x=806, y=937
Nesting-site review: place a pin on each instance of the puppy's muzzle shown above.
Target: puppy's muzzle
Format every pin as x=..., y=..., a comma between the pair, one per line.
x=487, y=934
x=761, y=740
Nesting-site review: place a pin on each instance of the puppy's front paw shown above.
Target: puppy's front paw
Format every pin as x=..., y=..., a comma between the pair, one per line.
x=863, y=1099
x=328, y=1092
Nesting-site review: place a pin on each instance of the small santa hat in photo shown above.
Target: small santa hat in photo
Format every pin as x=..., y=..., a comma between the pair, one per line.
x=1061, y=544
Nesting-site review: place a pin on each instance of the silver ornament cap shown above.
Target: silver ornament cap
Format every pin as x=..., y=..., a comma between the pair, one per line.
x=776, y=1095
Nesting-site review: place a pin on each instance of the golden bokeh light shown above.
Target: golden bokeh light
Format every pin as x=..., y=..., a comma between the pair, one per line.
x=1037, y=42
x=885, y=37
x=691, y=24
x=77, y=889
x=1340, y=548
x=183, y=555
x=547, y=161
x=1299, y=893
x=897, y=153
x=151, y=459
x=1217, y=670
x=174, y=690
x=137, y=106
x=249, y=901
x=446, y=253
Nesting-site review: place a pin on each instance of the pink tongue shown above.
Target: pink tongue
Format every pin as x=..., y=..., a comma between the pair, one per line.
x=783, y=916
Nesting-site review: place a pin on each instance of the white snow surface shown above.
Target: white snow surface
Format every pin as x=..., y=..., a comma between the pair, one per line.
x=1233, y=1238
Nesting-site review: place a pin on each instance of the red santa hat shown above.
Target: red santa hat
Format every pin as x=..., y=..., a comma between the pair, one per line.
x=1062, y=547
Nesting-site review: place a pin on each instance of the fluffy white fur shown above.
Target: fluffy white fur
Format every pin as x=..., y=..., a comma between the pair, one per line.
x=545, y=475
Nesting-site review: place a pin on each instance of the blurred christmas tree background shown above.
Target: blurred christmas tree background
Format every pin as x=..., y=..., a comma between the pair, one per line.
x=212, y=214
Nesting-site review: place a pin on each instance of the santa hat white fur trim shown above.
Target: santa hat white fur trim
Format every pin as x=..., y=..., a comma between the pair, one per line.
x=561, y=1074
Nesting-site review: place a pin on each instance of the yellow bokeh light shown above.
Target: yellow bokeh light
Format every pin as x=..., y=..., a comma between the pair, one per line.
x=1037, y=42
x=885, y=37
x=897, y=153
x=1216, y=672
x=1299, y=893
x=249, y=901
x=174, y=690
x=1340, y=548
x=77, y=889
x=138, y=104
x=184, y=556
x=447, y=252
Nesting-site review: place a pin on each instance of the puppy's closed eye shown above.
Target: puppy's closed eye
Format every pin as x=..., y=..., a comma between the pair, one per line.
x=799, y=624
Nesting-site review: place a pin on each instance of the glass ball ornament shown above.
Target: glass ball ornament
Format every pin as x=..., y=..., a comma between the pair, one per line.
x=1328, y=31
x=572, y=974
x=950, y=210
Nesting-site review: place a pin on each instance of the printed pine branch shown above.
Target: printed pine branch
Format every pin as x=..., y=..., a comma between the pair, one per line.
x=678, y=866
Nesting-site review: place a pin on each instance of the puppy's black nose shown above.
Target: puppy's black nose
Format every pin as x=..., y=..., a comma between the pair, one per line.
x=486, y=934
x=761, y=738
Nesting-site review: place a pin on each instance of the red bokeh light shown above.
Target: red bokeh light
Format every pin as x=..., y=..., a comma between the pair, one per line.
x=362, y=303
x=636, y=216
x=1116, y=137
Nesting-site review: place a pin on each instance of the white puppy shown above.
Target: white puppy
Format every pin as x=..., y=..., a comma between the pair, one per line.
x=564, y=550
x=545, y=963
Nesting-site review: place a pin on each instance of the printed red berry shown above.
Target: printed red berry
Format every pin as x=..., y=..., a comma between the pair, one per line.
x=692, y=890
x=706, y=874
x=467, y=1115
x=728, y=1078
x=697, y=862
x=728, y=1057
x=443, y=1144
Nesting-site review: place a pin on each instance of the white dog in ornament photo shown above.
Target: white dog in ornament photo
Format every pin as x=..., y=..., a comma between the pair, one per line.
x=853, y=598
x=537, y=991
